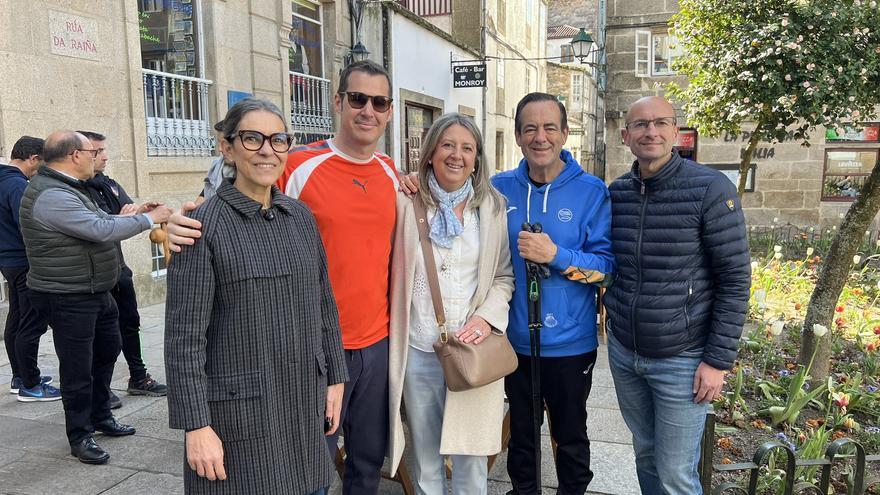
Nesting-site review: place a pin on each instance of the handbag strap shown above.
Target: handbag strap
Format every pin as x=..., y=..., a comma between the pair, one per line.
x=430, y=265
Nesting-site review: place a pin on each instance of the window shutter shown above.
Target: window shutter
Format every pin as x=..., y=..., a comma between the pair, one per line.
x=643, y=52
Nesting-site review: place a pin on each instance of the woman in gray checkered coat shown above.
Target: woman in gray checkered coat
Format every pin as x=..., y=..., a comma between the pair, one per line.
x=253, y=352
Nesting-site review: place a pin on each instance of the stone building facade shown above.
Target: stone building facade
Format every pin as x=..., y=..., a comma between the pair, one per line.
x=155, y=75
x=510, y=36
x=789, y=183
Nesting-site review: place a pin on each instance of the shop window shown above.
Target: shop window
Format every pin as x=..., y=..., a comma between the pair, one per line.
x=655, y=53
x=686, y=144
x=170, y=36
x=845, y=173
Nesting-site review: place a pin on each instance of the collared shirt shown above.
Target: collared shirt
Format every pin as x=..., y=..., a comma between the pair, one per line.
x=458, y=270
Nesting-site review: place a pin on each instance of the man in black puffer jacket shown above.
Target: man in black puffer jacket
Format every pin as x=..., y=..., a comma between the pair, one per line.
x=679, y=301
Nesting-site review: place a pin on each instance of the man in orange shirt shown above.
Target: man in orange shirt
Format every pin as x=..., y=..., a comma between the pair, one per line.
x=351, y=189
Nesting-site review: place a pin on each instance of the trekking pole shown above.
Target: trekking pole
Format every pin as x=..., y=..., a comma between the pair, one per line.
x=535, y=273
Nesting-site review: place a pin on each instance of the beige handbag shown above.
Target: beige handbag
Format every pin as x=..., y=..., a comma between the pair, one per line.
x=465, y=366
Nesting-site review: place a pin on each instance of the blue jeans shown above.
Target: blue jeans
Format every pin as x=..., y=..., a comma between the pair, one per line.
x=424, y=397
x=656, y=399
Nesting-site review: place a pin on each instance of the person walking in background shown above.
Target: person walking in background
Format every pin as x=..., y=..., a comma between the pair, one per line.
x=679, y=301
x=72, y=250
x=252, y=337
x=111, y=197
x=468, y=228
x=24, y=326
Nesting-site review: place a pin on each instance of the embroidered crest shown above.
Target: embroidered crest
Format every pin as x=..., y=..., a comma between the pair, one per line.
x=550, y=321
x=730, y=204
x=564, y=215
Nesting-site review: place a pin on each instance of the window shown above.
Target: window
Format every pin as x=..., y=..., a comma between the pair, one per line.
x=170, y=37
x=499, y=151
x=655, y=53
x=501, y=16
x=577, y=90
x=499, y=82
x=846, y=171
x=567, y=54
x=306, y=53
x=530, y=11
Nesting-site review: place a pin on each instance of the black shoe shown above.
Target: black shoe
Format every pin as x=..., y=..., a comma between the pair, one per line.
x=113, y=428
x=148, y=386
x=88, y=452
x=115, y=402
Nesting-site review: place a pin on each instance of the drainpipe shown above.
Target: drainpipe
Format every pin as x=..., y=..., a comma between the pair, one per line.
x=483, y=47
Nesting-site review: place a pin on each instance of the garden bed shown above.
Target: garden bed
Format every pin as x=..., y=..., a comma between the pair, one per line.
x=764, y=399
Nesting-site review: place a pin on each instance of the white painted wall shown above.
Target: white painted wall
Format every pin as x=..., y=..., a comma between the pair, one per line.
x=420, y=63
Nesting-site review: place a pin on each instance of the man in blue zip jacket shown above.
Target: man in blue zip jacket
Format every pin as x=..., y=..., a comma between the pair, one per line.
x=574, y=209
x=679, y=299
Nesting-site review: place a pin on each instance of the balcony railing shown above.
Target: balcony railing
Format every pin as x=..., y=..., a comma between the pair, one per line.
x=310, y=102
x=177, y=115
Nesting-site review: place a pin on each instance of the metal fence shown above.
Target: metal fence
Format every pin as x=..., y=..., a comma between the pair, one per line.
x=177, y=117
x=310, y=103
x=838, y=453
x=795, y=240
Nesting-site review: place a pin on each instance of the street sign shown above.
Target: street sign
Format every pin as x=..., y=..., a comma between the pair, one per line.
x=469, y=76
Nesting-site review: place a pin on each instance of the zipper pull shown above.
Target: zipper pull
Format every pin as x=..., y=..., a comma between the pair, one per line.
x=643, y=188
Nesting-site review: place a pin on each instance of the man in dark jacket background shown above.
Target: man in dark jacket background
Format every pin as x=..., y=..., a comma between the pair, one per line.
x=680, y=298
x=24, y=327
x=72, y=250
x=112, y=198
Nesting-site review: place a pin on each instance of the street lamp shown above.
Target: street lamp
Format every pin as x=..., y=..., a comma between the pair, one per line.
x=359, y=52
x=581, y=44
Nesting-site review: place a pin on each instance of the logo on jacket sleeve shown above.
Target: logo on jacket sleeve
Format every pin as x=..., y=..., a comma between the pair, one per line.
x=730, y=205
x=564, y=215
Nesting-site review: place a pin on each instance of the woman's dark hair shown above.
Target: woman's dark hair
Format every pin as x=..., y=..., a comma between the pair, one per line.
x=229, y=124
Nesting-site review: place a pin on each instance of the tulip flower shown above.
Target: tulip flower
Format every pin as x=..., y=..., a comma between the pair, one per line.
x=776, y=328
x=819, y=330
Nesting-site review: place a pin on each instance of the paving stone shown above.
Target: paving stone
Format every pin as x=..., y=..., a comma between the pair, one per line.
x=614, y=467
x=10, y=455
x=148, y=484
x=37, y=475
x=606, y=425
x=151, y=420
x=143, y=453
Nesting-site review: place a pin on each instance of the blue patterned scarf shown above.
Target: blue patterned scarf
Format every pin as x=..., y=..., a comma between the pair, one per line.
x=445, y=226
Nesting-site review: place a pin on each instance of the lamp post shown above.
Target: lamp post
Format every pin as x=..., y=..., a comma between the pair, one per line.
x=581, y=44
x=359, y=52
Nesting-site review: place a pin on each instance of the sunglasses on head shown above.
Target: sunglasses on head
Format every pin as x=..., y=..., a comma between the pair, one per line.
x=359, y=100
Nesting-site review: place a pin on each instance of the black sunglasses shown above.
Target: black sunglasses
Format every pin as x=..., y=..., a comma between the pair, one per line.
x=253, y=140
x=357, y=101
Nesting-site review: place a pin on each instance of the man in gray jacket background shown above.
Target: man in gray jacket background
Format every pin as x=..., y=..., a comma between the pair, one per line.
x=74, y=262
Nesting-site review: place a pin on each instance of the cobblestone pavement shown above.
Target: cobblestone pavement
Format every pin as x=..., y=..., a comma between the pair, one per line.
x=35, y=459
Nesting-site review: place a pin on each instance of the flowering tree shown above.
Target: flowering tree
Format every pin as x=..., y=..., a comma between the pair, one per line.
x=786, y=66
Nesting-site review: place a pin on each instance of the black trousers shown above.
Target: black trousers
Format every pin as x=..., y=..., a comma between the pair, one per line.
x=565, y=386
x=86, y=332
x=24, y=327
x=129, y=324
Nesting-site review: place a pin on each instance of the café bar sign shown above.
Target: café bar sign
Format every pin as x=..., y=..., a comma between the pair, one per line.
x=472, y=75
x=73, y=36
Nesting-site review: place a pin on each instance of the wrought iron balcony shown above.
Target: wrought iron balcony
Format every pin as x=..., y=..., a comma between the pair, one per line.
x=310, y=103
x=177, y=116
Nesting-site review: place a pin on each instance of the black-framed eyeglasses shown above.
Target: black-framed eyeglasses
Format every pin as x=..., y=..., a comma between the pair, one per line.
x=358, y=100
x=93, y=152
x=661, y=124
x=280, y=142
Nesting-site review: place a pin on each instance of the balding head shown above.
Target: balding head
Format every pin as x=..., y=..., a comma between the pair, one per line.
x=69, y=152
x=654, y=102
x=650, y=132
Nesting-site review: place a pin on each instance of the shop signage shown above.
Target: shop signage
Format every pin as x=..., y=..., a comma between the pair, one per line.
x=469, y=76
x=73, y=36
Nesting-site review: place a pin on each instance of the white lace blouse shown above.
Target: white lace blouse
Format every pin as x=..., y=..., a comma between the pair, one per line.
x=457, y=269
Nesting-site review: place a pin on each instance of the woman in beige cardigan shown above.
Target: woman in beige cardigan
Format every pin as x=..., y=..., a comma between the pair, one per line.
x=468, y=230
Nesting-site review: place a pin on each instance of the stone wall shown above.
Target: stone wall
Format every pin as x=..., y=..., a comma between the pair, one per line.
x=577, y=13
